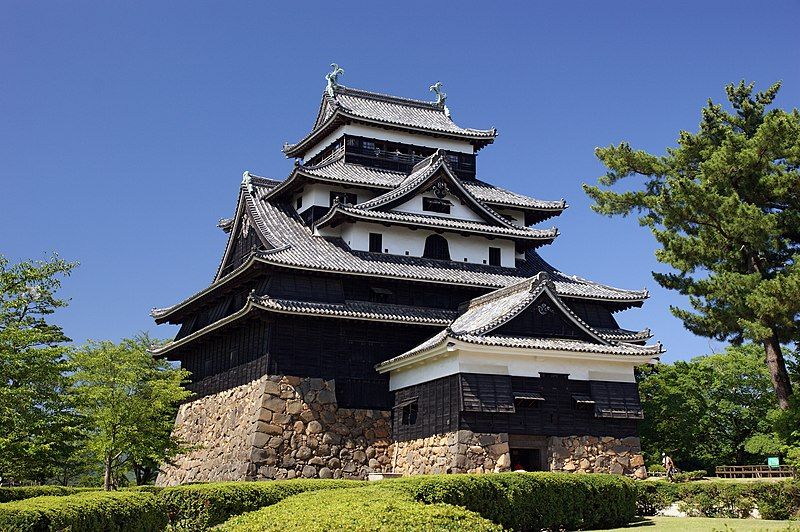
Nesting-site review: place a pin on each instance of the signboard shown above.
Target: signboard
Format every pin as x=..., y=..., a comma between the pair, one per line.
x=773, y=461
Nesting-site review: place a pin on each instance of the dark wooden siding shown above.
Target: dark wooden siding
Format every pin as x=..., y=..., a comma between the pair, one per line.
x=438, y=405
x=218, y=354
x=345, y=350
x=594, y=314
x=557, y=415
x=543, y=319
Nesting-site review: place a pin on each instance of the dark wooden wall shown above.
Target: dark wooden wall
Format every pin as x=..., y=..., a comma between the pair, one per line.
x=448, y=404
x=328, y=348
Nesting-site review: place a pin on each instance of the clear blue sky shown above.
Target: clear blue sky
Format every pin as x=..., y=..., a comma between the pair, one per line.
x=125, y=127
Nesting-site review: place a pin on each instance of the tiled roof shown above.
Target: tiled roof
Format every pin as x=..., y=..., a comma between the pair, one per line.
x=421, y=220
x=488, y=312
x=359, y=310
x=383, y=109
x=623, y=335
x=563, y=345
x=403, y=111
x=294, y=245
x=500, y=196
x=362, y=310
x=337, y=170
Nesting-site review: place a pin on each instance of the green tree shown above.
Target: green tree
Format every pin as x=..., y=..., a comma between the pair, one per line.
x=38, y=428
x=703, y=412
x=130, y=400
x=724, y=205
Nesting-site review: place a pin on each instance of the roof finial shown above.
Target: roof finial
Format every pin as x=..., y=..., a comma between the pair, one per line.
x=441, y=97
x=332, y=78
x=247, y=181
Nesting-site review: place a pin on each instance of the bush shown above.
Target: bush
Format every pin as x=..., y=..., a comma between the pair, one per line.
x=654, y=496
x=686, y=476
x=85, y=512
x=27, y=492
x=774, y=500
x=535, y=501
x=377, y=507
x=194, y=507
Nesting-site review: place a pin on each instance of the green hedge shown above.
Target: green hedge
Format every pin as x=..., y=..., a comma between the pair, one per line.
x=774, y=500
x=200, y=506
x=89, y=511
x=535, y=501
x=517, y=501
x=27, y=492
x=382, y=507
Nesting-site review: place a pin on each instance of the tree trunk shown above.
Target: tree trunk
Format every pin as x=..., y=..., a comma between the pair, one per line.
x=777, y=371
x=107, y=475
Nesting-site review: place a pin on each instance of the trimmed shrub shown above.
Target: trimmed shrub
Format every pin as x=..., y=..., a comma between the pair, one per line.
x=193, y=507
x=85, y=512
x=686, y=476
x=774, y=500
x=19, y=493
x=535, y=501
x=377, y=507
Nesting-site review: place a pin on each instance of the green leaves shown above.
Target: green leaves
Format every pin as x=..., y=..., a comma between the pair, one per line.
x=703, y=412
x=37, y=425
x=724, y=206
x=129, y=399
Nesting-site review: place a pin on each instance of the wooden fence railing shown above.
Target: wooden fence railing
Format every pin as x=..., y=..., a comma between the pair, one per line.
x=756, y=471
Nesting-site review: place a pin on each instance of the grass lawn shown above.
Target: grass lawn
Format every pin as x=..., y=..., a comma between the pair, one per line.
x=670, y=524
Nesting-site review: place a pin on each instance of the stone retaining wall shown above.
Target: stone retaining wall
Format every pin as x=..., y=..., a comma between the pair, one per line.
x=592, y=454
x=460, y=451
x=278, y=427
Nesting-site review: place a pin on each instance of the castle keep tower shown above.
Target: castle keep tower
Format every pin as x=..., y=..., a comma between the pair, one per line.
x=382, y=309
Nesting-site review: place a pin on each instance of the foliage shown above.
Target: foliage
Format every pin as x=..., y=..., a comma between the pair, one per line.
x=774, y=500
x=367, y=508
x=534, y=501
x=703, y=412
x=724, y=207
x=129, y=399
x=686, y=476
x=38, y=430
x=195, y=507
x=18, y=493
x=90, y=511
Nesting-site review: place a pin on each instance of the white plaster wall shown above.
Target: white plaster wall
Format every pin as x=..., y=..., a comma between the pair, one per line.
x=529, y=364
x=458, y=211
x=398, y=240
x=517, y=216
x=320, y=194
x=392, y=136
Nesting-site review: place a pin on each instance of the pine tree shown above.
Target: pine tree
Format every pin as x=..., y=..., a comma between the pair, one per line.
x=724, y=205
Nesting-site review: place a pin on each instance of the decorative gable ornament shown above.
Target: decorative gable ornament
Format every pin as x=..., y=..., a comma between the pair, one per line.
x=332, y=78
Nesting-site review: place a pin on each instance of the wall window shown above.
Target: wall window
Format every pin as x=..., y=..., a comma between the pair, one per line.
x=494, y=256
x=375, y=242
x=436, y=248
x=436, y=205
x=409, y=414
x=344, y=197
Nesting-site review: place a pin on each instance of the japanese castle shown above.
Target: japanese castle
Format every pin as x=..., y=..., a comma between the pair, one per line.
x=382, y=310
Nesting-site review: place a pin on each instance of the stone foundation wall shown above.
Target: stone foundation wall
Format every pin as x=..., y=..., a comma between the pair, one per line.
x=460, y=451
x=466, y=452
x=591, y=454
x=278, y=427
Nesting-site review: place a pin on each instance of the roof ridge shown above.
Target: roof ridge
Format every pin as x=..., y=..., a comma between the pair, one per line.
x=343, y=89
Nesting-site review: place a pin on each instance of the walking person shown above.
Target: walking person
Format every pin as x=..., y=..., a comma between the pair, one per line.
x=669, y=466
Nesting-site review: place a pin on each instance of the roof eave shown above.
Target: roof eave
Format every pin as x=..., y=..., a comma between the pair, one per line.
x=479, y=140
